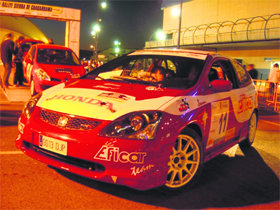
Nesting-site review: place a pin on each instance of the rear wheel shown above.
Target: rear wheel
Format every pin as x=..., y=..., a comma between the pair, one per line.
x=252, y=128
x=184, y=161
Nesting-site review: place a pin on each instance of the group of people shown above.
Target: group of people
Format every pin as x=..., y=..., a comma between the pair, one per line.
x=9, y=49
x=12, y=52
x=274, y=74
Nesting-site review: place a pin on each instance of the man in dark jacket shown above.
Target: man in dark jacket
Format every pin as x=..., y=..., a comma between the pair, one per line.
x=19, y=52
x=252, y=71
x=7, y=51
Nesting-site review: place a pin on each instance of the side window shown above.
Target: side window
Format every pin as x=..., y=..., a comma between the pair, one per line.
x=242, y=75
x=222, y=69
x=168, y=64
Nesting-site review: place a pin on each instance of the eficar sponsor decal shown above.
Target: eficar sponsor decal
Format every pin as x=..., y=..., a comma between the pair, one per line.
x=111, y=153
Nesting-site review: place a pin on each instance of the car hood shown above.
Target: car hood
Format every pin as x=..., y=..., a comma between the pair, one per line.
x=62, y=71
x=102, y=99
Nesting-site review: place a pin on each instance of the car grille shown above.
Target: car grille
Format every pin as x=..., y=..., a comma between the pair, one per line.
x=67, y=121
x=66, y=159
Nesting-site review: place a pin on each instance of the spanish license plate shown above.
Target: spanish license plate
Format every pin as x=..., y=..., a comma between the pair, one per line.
x=53, y=145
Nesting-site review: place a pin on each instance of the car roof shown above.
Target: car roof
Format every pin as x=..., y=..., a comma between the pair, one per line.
x=31, y=40
x=199, y=54
x=52, y=46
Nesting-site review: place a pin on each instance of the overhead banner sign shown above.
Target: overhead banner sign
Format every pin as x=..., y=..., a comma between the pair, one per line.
x=39, y=10
x=29, y=7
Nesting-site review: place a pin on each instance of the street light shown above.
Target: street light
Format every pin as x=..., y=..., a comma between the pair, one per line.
x=160, y=35
x=97, y=28
x=103, y=4
x=117, y=48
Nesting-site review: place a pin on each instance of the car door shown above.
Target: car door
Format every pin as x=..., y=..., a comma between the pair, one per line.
x=223, y=125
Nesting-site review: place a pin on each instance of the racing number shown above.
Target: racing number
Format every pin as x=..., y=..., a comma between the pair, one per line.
x=219, y=122
x=223, y=122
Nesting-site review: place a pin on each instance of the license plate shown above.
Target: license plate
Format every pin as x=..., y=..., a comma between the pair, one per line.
x=53, y=145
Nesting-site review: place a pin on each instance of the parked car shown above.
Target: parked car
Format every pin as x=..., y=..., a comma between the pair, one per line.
x=47, y=65
x=149, y=119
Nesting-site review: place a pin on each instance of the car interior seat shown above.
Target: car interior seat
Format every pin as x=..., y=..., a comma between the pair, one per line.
x=213, y=75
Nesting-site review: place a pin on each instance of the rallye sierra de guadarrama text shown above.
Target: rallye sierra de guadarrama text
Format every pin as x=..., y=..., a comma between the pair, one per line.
x=148, y=119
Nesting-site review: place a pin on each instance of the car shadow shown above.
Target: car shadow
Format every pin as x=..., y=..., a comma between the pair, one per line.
x=225, y=182
x=9, y=117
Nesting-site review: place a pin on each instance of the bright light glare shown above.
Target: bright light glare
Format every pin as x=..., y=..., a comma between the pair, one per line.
x=103, y=5
x=117, y=50
x=96, y=28
x=160, y=35
x=117, y=43
x=175, y=11
x=93, y=33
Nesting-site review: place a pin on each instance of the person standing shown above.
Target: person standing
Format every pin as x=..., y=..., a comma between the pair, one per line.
x=7, y=51
x=50, y=41
x=274, y=77
x=274, y=74
x=18, y=79
x=252, y=71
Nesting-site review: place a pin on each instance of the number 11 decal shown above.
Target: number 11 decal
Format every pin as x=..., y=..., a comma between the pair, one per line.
x=219, y=122
x=223, y=122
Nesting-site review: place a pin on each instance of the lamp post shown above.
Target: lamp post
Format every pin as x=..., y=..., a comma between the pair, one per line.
x=97, y=28
x=180, y=23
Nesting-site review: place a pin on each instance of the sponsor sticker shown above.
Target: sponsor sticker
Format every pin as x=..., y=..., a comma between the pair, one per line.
x=110, y=153
x=138, y=170
x=83, y=99
x=114, y=96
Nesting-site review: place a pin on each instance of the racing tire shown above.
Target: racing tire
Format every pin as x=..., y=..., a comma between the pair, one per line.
x=32, y=88
x=252, y=128
x=185, y=161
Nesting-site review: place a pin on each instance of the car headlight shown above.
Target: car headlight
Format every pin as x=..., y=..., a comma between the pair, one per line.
x=137, y=125
x=42, y=75
x=30, y=105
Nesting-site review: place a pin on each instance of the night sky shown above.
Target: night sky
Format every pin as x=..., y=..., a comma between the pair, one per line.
x=132, y=22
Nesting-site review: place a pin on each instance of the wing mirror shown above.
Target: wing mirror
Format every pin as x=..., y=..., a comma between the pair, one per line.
x=220, y=85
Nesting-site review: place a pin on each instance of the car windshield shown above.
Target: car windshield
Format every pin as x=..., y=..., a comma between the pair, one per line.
x=56, y=56
x=168, y=71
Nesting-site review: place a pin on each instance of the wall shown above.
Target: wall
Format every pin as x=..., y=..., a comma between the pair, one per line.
x=197, y=12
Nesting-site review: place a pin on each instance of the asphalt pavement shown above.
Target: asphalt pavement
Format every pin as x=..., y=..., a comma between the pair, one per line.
x=14, y=94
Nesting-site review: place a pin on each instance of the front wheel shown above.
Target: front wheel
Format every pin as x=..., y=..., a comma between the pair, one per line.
x=252, y=128
x=185, y=160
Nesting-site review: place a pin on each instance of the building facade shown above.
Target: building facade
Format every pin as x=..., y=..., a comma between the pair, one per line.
x=248, y=30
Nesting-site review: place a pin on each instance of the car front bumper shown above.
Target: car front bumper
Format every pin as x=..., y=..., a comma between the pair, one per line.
x=138, y=164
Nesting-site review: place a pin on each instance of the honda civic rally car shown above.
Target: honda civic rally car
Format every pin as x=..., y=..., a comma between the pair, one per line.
x=149, y=119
